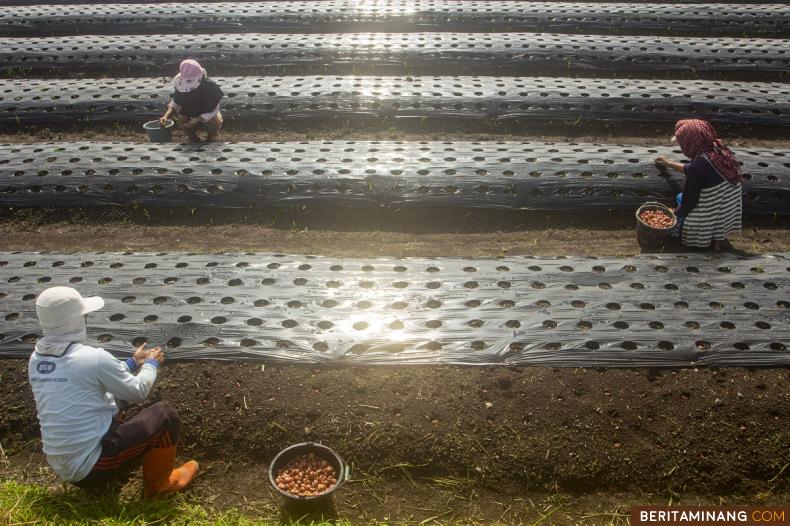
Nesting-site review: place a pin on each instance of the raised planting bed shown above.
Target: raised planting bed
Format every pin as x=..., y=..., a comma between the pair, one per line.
x=401, y=15
x=652, y=311
x=501, y=175
x=386, y=99
x=84, y=2
x=455, y=53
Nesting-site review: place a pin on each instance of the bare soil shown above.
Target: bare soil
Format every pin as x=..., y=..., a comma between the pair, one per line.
x=606, y=133
x=485, y=443
x=359, y=234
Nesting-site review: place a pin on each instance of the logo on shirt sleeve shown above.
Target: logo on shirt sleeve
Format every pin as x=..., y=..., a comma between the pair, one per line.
x=45, y=367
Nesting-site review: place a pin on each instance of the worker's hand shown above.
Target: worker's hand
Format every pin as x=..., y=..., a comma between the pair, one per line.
x=156, y=354
x=662, y=162
x=140, y=354
x=163, y=119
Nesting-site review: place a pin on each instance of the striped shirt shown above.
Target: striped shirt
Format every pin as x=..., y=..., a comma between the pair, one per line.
x=712, y=206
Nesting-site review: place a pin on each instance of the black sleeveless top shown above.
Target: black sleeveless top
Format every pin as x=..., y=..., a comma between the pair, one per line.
x=202, y=99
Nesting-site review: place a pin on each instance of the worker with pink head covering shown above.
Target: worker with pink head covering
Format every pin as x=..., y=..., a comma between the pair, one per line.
x=710, y=206
x=196, y=102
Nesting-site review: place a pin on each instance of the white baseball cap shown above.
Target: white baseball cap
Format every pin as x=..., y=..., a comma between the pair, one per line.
x=57, y=306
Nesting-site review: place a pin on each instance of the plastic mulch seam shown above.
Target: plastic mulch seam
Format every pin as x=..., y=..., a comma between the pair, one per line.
x=652, y=311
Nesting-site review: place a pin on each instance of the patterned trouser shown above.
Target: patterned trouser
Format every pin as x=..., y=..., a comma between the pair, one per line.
x=211, y=127
x=157, y=426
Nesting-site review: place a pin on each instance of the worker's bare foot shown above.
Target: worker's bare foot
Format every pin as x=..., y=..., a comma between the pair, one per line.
x=213, y=137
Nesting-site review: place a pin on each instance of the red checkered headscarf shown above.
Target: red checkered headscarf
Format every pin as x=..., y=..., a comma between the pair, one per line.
x=697, y=137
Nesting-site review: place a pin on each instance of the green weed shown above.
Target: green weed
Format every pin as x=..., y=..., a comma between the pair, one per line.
x=36, y=505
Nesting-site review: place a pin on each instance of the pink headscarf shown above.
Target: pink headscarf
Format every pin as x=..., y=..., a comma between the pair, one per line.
x=697, y=137
x=190, y=73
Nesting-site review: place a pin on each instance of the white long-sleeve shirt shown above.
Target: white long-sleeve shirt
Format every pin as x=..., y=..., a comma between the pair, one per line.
x=75, y=399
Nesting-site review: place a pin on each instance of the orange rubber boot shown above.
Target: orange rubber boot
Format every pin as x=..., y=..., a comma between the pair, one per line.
x=159, y=477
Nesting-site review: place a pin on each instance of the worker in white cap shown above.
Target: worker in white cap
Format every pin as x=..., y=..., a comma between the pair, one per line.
x=76, y=386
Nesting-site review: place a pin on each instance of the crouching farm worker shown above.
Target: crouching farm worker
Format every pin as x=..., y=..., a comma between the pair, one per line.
x=710, y=206
x=196, y=102
x=76, y=386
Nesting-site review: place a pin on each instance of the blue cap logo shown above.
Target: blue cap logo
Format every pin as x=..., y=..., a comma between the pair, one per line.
x=45, y=367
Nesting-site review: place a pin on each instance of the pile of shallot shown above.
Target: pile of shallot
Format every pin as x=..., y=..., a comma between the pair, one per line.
x=657, y=219
x=306, y=476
